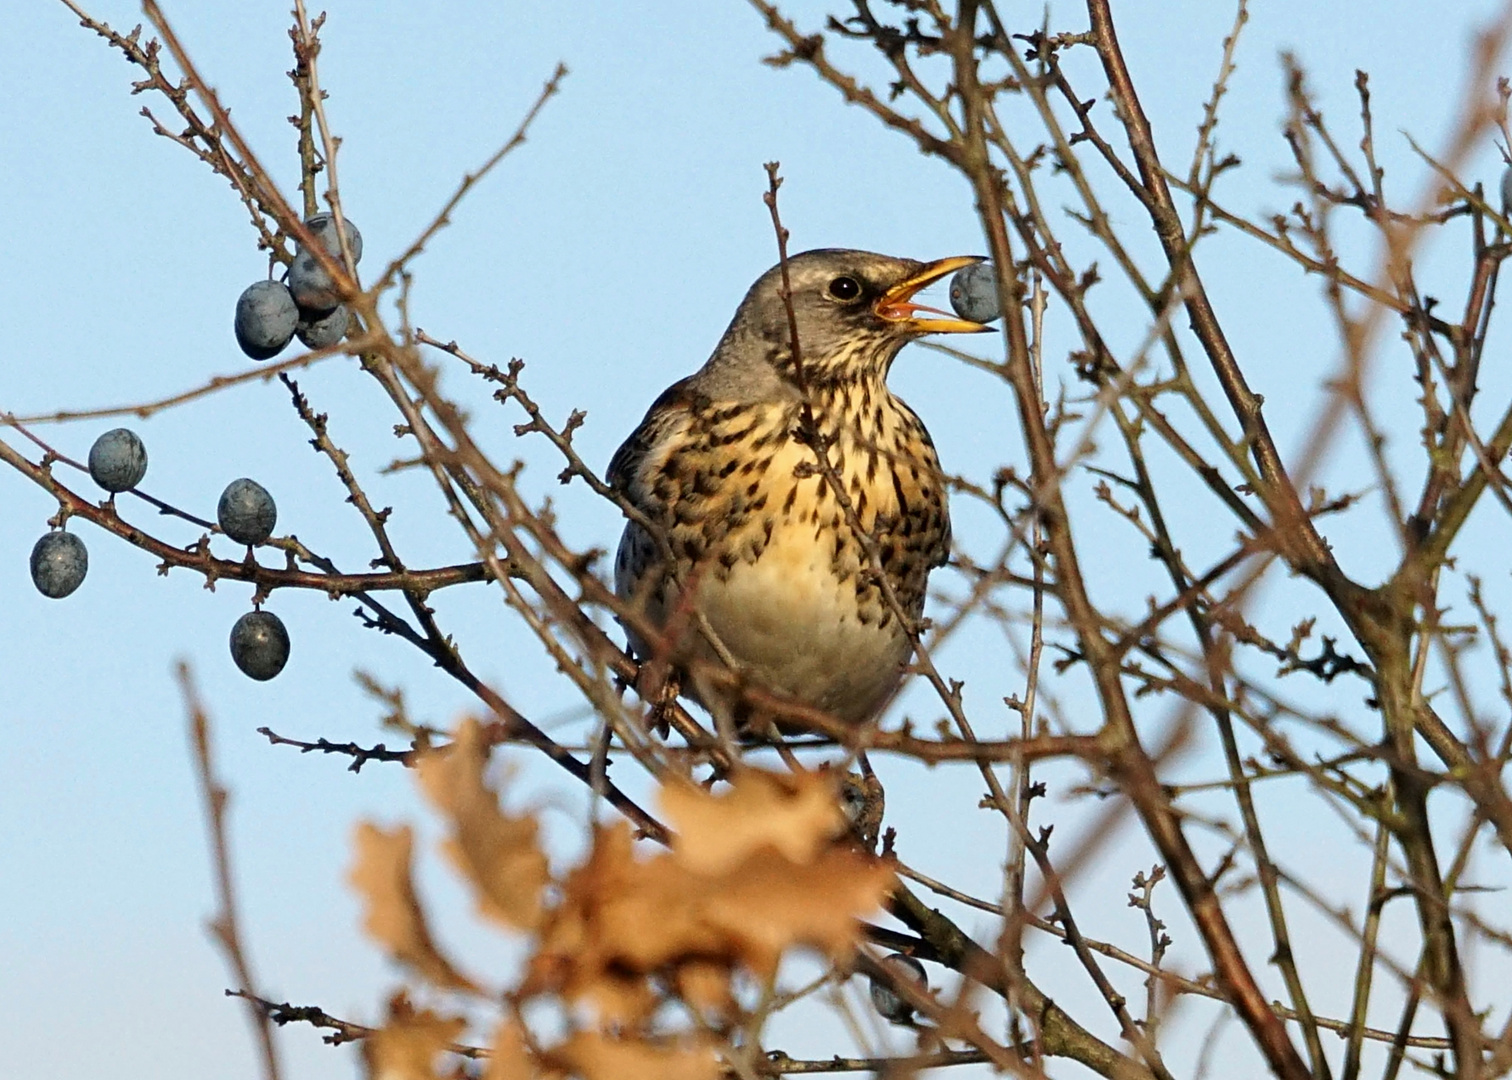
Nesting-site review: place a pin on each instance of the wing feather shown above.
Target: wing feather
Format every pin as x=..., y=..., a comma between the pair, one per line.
x=647, y=446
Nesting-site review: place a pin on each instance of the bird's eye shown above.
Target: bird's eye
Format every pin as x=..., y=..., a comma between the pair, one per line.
x=844, y=289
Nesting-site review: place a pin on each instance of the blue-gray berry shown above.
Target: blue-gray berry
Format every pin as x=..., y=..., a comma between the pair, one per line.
x=313, y=288
x=118, y=460
x=266, y=317
x=974, y=293
x=59, y=562
x=317, y=329
x=260, y=645
x=323, y=225
x=885, y=1000
x=246, y=512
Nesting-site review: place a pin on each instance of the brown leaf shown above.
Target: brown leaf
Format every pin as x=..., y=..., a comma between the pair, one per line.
x=621, y=919
x=570, y=958
x=797, y=814
x=508, y=1059
x=594, y=1057
x=407, y=1046
x=706, y=988
x=769, y=905
x=497, y=853
x=393, y=916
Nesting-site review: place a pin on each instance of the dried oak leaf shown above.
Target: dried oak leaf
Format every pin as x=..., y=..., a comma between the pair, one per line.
x=508, y=1059
x=706, y=988
x=407, y=1046
x=499, y=854
x=797, y=814
x=392, y=915
x=621, y=919
x=594, y=1057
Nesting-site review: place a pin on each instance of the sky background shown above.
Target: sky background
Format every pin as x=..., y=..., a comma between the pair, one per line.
x=609, y=254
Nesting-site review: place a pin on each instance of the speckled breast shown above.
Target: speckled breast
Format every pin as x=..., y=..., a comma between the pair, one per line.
x=782, y=583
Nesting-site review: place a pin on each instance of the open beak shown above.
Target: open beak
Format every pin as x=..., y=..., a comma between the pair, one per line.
x=896, y=304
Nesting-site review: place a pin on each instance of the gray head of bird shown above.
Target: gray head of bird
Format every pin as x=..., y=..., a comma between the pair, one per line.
x=852, y=310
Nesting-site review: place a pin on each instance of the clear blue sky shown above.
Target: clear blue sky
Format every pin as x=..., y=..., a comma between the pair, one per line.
x=608, y=253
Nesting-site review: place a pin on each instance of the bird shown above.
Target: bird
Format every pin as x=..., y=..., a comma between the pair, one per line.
x=740, y=555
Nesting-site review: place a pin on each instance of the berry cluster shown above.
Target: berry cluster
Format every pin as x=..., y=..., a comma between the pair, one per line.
x=246, y=513
x=307, y=304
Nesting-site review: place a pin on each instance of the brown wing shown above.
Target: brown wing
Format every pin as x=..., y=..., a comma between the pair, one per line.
x=667, y=413
x=638, y=556
x=940, y=554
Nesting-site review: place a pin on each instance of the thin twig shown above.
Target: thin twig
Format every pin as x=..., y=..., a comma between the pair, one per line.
x=224, y=927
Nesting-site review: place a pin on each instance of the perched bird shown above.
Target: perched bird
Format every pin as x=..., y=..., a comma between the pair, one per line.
x=766, y=573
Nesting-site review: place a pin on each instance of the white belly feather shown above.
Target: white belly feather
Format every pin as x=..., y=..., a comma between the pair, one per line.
x=792, y=624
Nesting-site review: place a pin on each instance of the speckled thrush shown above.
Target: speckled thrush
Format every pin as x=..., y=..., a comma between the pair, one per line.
x=767, y=574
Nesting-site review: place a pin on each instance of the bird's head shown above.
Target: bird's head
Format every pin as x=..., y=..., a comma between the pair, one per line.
x=853, y=311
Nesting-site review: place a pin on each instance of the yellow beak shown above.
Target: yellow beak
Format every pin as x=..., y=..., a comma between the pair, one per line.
x=896, y=305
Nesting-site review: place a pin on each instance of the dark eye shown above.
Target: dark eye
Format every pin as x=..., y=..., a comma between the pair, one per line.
x=844, y=289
